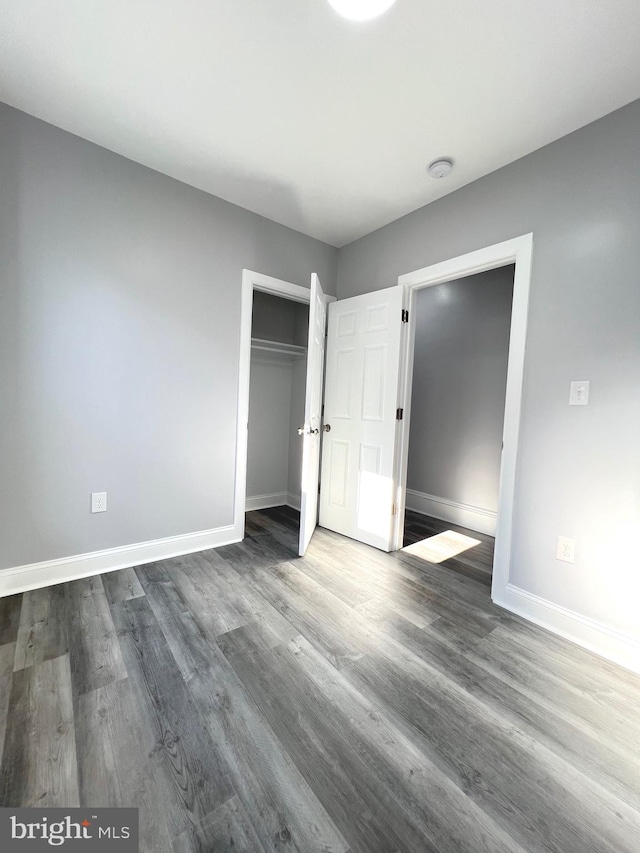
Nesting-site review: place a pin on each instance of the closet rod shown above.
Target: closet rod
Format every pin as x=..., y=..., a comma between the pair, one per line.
x=278, y=347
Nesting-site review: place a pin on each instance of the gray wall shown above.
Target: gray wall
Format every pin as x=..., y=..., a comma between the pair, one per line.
x=578, y=468
x=119, y=338
x=278, y=319
x=459, y=383
x=276, y=410
x=276, y=398
x=269, y=424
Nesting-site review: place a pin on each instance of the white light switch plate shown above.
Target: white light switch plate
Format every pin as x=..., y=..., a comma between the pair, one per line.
x=579, y=393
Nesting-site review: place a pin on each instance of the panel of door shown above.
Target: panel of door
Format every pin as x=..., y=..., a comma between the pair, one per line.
x=312, y=415
x=361, y=398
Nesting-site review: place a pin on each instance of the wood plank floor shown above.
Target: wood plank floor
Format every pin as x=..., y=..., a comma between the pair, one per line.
x=247, y=700
x=477, y=562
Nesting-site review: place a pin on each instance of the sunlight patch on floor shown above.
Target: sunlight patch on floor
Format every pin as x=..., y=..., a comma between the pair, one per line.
x=443, y=546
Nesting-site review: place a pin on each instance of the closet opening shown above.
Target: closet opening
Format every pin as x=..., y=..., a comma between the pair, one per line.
x=277, y=382
x=272, y=385
x=461, y=354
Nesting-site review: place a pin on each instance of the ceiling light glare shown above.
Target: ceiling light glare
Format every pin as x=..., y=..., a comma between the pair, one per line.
x=361, y=10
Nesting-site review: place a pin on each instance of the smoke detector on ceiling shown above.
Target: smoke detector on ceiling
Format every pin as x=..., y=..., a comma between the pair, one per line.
x=361, y=10
x=440, y=168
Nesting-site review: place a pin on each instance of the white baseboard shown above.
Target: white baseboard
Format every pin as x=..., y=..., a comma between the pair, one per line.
x=588, y=633
x=37, y=575
x=265, y=501
x=293, y=501
x=274, y=499
x=473, y=517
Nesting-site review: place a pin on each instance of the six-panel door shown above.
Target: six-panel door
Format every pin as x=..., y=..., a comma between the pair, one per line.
x=361, y=393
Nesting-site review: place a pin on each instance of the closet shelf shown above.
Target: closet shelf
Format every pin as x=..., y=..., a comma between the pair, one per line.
x=278, y=347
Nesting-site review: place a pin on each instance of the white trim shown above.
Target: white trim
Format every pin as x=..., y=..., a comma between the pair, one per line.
x=50, y=572
x=252, y=281
x=588, y=633
x=276, y=286
x=464, y=515
x=489, y=258
x=265, y=501
x=276, y=499
x=517, y=251
x=294, y=501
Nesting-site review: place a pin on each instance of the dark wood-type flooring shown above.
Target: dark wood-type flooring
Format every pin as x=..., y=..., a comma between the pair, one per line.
x=247, y=700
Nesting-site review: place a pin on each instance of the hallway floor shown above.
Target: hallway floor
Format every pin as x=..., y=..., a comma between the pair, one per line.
x=476, y=562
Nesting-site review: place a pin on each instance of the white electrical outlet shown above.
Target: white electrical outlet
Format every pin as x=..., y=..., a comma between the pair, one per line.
x=98, y=502
x=566, y=550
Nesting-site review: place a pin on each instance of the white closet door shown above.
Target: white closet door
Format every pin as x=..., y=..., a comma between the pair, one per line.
x=312, y=415
x=361, y=398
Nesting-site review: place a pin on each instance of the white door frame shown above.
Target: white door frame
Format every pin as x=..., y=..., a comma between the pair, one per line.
x=252, y=281
x=517, y=251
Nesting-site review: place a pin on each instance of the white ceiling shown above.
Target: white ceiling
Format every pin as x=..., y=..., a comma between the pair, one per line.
x=321, y=124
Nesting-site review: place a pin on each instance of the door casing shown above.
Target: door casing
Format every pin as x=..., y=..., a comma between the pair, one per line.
x=517, y=251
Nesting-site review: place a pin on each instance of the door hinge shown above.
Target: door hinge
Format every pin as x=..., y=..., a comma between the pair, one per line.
x=405, y=315
x=394, y=511
x=399, y=414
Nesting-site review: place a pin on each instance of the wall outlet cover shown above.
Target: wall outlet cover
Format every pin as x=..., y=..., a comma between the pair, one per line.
x=566, y=549
x=98, y=502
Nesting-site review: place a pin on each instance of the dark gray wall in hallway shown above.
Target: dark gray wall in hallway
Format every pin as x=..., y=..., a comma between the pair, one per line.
x=119, y=337
x=578, y=468
x=459, y=382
